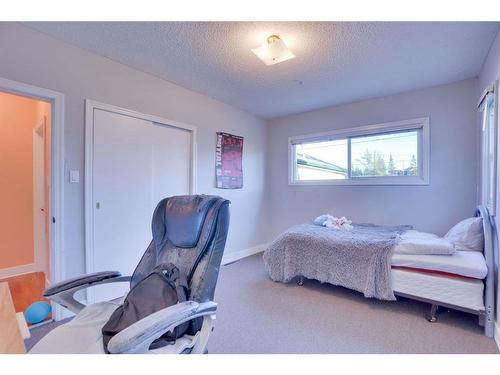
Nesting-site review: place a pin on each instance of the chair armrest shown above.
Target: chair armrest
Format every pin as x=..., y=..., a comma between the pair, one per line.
x=74, y=282
x=63, y=293
x=138, y=337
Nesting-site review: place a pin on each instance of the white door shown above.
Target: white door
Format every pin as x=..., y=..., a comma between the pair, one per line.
x=136, y=163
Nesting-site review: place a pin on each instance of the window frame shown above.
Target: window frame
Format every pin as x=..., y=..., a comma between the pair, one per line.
x=421, y=124
x=488, y=105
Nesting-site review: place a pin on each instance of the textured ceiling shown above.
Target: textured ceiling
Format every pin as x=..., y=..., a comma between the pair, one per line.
x=337, y=62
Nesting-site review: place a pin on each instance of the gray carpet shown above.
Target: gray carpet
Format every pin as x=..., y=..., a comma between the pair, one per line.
x=38, y=332
x=257, y=315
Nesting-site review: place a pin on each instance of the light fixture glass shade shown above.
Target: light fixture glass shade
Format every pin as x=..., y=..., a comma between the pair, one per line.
x=273, y=51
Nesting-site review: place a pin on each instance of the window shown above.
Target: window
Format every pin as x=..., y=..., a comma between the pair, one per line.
x=395, y=153
x=487, y=106
x=390, y=154
x=322, y=160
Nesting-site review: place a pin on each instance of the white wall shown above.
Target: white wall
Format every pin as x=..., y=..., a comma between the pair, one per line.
x=489, y=73
x=451, y=194
x=34, y=58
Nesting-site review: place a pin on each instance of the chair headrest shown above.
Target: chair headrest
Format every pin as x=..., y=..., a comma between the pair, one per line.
x=180, y=219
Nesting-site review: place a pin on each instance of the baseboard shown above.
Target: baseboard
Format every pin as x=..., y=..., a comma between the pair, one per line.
x=497, y=334
x=64, y=314
x=237, y=255
x=18, y=270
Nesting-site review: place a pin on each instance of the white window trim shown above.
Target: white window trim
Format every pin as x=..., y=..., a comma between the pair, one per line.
x=424, y=153
x=488, y=178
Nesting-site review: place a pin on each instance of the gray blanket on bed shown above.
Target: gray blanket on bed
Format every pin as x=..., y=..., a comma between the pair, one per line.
x=359, y=259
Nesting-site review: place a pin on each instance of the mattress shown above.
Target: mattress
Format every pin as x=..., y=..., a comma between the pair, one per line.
x=462, y=263
x=455, y=291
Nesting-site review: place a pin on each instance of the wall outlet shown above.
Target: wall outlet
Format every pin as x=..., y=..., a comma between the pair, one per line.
x=74, y=176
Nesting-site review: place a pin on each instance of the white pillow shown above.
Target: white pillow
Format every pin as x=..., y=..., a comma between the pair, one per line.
x=467, y=235
x=421, y=243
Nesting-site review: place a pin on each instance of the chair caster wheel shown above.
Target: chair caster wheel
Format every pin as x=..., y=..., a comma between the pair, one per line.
x=431, y=319
x=301, y=281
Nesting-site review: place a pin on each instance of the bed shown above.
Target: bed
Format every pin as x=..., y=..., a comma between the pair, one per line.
x=463, y=281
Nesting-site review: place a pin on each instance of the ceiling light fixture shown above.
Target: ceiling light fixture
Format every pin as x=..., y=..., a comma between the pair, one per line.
x=273, y=51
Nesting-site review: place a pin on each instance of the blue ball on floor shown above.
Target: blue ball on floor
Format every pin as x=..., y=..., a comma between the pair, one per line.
x=37, y=312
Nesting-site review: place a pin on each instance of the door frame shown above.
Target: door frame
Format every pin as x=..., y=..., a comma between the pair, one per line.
x=56, y=204
x=90, y=107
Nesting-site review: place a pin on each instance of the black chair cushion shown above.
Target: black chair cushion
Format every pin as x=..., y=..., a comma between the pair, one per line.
x=184, y=218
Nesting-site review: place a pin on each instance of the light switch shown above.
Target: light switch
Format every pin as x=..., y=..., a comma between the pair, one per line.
x=74, y=176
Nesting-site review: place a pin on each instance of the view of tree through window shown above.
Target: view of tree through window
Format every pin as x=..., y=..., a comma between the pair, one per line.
x=378, y=155
x=391, y=154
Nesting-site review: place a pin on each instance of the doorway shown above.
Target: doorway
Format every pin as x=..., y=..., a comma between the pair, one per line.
x=39, y=262
x=25, y=178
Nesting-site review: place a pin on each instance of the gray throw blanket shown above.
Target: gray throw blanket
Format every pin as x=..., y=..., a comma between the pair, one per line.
x=359, y=259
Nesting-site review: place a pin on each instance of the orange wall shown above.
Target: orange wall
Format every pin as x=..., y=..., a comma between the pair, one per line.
x=17, y=120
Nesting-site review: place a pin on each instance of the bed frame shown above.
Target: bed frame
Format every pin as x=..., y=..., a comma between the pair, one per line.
x=487, y=316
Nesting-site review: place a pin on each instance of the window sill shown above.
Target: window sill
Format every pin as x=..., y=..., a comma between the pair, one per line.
x=384, y=181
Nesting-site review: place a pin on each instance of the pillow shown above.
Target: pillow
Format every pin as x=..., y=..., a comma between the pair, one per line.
x=421, y=243
x=467, y=235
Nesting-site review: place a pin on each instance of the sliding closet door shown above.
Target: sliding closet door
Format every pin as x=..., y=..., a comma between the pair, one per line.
x=135, y=164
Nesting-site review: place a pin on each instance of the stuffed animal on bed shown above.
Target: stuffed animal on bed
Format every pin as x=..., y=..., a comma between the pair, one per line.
x=333, y=222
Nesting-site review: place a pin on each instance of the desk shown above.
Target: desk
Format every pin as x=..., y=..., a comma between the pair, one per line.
x=11, y=340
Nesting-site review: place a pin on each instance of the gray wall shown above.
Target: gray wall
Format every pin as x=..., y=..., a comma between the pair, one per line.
x=34, y=58
x=451, y=194
x=489, y=73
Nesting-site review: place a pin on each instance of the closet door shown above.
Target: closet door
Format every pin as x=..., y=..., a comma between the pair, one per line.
x=136, y=163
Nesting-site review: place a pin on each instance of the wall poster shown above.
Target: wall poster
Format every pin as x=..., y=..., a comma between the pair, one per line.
x=228, y=161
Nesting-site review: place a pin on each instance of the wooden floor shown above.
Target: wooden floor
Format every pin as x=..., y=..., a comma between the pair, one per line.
x=26, y=289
